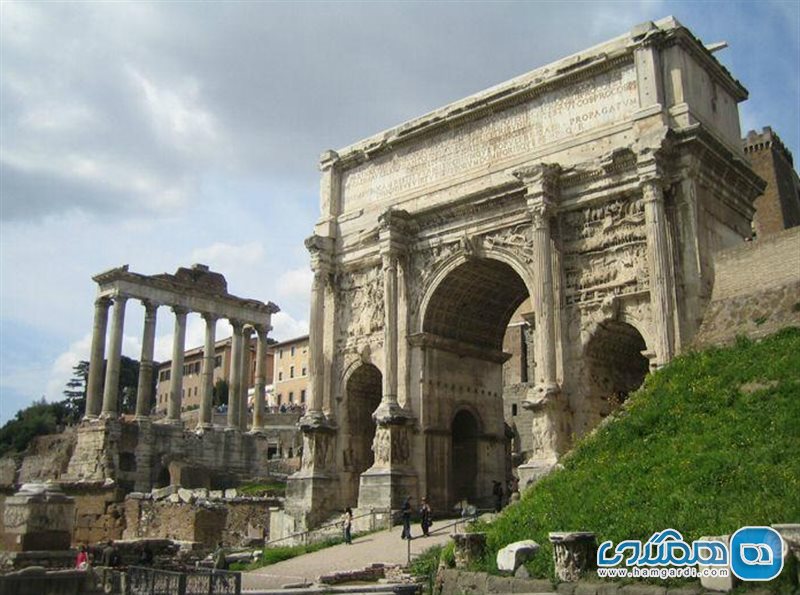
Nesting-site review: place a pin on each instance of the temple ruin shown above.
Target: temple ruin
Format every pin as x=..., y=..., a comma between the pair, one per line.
x=597, y=187
x=144, y=453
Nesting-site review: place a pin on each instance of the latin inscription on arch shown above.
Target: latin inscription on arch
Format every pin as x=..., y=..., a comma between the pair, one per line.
x=477, y=146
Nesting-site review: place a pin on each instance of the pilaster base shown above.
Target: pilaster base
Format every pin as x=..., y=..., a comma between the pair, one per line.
x=310, y=500
x=386, y=489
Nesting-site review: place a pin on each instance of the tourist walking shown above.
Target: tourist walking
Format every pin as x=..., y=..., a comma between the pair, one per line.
x=497, y=492
x=82, y=561
x=406, y=511
x=425, y=517
x=347, y=524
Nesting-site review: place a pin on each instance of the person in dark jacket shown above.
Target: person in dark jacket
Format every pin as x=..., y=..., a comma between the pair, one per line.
x=406, y=511
x=425, y=517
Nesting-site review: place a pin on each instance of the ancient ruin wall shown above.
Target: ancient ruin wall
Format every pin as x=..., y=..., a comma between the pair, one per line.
x=756, y=290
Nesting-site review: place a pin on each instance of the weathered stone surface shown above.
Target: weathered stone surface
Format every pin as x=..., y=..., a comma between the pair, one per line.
x=469, y=548
x=38, y=517
x=8, y=472
x=434, y=232
x=574, y=553
x=186, y=496
x=515, y=554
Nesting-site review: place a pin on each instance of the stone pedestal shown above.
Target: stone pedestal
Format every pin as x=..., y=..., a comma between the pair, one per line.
x=469, y=548
x=574, y=553
x=549, y=434
x=311, y=493
x=38, y=517
x=391, y=479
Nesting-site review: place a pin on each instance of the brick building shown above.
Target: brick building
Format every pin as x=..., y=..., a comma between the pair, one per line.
x=193, y=378
x=290, y=376
x=778, y=207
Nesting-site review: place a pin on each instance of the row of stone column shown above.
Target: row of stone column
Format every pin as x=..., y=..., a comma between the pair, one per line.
x=104, y=403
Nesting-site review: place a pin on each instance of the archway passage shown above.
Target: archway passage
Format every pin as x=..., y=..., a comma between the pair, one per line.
x=616, y=367
x=363, y=398
x=474, y=303
x=464, y=464
x=464, y=322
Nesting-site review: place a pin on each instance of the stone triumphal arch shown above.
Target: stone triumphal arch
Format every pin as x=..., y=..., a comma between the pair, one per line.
x=597, y=188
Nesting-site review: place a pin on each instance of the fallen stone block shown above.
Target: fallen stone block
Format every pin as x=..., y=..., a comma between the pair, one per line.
x=514, y=555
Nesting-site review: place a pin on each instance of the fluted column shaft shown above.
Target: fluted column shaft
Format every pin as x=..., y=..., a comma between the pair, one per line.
x=316, y=354
x=144, y=391
x=176, y=373
x=95, y=381
x=209, y=355
x=659, y=263
x=543, y=301
x=244, y=374
x=260, y=383
x=234, y=388
x=390, y=329
x=111, y=389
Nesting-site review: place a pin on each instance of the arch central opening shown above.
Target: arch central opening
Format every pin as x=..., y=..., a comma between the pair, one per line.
x=464, y=326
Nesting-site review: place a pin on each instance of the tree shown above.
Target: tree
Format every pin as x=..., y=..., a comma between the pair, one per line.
x=75, y=391
x=128, y=383
x=37, y=419
x=220, y=393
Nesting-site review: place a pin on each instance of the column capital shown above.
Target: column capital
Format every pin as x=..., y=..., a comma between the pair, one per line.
x=180, y=310
x=120, y=298
x=210, y=317
x=150, y=307
x=541, y=213
x=262, y=329
x=103, y=302
x=237, y=325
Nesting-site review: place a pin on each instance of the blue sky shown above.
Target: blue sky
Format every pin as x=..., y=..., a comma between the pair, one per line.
x=162, y=134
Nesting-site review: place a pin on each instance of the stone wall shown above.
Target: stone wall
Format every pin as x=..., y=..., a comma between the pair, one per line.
x=47, y=457
x=140, y=455
x=756, y=290
x=99, y=513
x=185, y=517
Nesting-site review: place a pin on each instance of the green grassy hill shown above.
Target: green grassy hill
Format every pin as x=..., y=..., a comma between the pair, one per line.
x=710, y=443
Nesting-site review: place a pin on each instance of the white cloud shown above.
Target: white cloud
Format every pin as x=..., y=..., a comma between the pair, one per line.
x=221, y=256
x=295, y=283
x=285, y=327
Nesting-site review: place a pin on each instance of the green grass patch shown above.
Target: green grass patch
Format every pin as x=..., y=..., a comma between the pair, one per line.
x=273, y=488
x=690, y=450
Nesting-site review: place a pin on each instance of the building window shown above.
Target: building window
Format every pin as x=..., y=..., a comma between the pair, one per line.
x=291, y=397
x=280, y=354
x=280, y=376
x=513, y=410
x=280, y=399
x=291, y=371
x=303, y=396
x=218, y=361
x=304, y=371
x=292, y=350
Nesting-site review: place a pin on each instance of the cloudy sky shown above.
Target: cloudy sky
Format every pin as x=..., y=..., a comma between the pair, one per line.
x=166, y=133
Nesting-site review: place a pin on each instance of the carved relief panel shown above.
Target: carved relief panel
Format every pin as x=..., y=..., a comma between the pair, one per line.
x=605, y=251
x=361, y=297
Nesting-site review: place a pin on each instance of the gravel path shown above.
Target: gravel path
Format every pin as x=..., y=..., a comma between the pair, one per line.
x=382, y=546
